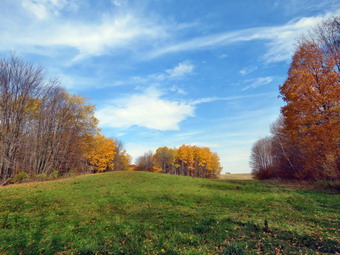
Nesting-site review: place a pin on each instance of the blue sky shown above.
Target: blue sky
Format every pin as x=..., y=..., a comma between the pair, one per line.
x=168, y=72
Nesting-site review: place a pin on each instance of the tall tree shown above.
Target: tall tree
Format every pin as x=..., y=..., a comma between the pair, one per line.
x=312, y=93
x=42, y=127
x=21, y=86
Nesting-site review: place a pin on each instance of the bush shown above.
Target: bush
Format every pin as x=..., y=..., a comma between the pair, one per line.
x=41, y=177
x=19, y=177
x=53, y=175
x=329, y=185
x=263, y=173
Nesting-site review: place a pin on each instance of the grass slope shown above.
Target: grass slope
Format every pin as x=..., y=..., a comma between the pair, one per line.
x=146, y=213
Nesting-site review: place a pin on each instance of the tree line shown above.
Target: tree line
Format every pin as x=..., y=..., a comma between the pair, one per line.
x=305, y=139
x=187, y=160
x=45, y=130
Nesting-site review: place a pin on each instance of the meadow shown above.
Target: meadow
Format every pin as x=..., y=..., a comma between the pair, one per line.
x=150, y=213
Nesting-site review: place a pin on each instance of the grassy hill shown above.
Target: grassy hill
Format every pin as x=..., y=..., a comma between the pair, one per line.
x=146, y=213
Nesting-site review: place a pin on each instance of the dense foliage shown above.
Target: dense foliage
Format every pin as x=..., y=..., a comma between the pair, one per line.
x=305, y=139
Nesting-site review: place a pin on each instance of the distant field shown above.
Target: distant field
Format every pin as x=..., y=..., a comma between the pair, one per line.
x=149, y=213
x=236, y=176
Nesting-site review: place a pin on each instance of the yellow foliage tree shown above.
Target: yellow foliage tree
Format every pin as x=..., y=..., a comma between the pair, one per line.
x=100, y=153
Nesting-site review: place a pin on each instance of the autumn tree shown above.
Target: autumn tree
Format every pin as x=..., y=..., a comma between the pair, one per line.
x=145, y=162
x=184, y=160
x=312, y=94
x=100, y=153
x=20, y=84
x=44, y=129
x=188, y=160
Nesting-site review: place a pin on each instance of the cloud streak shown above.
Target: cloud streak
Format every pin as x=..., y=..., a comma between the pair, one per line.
x=258, y=82
x=280, y=39
x=126, y=30
x=45, y=28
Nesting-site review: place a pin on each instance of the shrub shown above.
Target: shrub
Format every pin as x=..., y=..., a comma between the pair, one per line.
x=53, y=175
x=41, y=177
x=19, y=177
x=333, y=186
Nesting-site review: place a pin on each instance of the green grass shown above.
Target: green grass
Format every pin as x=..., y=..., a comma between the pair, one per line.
x=146, y=213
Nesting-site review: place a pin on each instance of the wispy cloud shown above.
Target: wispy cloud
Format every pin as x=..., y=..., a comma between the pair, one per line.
x=45, y=9
x=144, y=37
x=45, y=28
x=179, y=71
x=261, y=81
x=231, y=98
x=291, y=7
x=178, y=90
x=280, y=39
x=248, y=69
x=182, y=69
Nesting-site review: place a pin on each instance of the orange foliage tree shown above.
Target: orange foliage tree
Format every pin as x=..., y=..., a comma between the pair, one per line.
x=312, y=112
x=306, y=138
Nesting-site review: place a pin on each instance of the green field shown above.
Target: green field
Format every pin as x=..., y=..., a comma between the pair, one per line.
x=149, y=213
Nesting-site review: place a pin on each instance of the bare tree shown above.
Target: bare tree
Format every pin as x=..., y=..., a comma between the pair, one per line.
x=145, y=162
x=20, y=85
x=327, y=36
x=42, y=127
x=261, y=159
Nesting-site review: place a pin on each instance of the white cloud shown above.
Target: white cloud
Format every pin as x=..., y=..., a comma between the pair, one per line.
x=148, y=110
x=38, y=10
x=119, y=32
x=248, y=69
x=144, y=37
x=291, y=7
x=213, y=99
x=178, y=90
x=117, y=3
x=44, y=9
x=261, y=81
x=280, y=39
x=223, y=56
x=46, y=28
x=182, y=69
